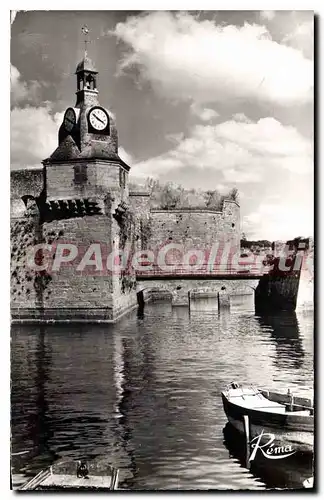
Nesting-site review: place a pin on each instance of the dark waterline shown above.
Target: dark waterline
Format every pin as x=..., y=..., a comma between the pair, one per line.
x=145, y=393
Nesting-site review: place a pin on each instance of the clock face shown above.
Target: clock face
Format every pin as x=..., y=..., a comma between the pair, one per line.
x=69, y=119
x=98, y=119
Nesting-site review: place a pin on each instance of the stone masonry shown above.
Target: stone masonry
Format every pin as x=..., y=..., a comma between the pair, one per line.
x=182, y=288
x=80, y=196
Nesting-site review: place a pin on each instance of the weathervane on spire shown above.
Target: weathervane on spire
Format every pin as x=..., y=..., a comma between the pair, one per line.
x=85, y=31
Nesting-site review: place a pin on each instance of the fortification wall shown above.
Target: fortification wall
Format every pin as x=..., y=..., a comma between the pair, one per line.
x=24, y=234
x=139, y=205
x=68, y=293
x=97, y=295
x=195, y=229
x=24, y=182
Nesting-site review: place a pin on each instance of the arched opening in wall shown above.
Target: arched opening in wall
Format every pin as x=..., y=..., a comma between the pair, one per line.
x=159, y=294
x=29, y=200
x=80, y=82
x=243, y=287
x=90, y=82
x=203, y=298
x=242, y=295
x=233, y=225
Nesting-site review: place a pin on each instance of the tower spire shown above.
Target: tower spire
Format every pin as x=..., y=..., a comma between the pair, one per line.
x=85, y=31
x=86, y=75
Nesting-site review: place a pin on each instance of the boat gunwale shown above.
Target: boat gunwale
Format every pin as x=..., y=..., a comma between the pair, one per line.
x=260, y=416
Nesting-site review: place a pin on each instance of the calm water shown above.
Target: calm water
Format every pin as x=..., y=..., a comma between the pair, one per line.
x=145, y=393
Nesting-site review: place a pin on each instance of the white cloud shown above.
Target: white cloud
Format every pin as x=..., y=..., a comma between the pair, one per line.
x=204, y=114
x=241, y=151
x=34, y=135
x=240, y=117
x=268, y=138
x=13, y=14
x=302, y=37
x=175, y=138
x=20, y=90
x=184, y=58
x=285, y=219
x=270, y=163
x=267, y=15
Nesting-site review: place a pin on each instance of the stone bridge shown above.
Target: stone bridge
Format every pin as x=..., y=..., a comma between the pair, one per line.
x=182, y=291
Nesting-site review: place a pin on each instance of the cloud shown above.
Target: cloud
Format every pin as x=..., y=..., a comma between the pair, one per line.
x=241, y=117
x=185, y=58
x=13, y=14
x=281, y=220
x=21, y=92
x=302, y=38
x=34, y=128
x=204, y=114
x=241, y=151
x=267, y=15
x=271, y=164
x=269, y=139
x=34, y=135
x=175, y=138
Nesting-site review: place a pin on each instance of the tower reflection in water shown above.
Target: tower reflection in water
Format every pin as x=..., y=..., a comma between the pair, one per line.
x=65, y=392
x=286, y=335
x=30, y=421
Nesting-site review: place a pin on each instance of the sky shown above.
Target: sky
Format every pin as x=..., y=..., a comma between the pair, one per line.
x=206, y=99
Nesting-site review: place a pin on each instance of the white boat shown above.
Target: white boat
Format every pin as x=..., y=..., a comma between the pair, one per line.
x=290, y=419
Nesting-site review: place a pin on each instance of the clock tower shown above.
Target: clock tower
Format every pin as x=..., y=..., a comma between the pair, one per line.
x=86, y=161
x=86, y=206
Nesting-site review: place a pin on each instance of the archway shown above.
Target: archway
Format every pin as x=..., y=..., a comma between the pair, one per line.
x=154, y=294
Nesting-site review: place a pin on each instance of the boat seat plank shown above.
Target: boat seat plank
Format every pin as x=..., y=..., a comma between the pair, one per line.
x=255, y=403
x=285, y=398
x=69, y=481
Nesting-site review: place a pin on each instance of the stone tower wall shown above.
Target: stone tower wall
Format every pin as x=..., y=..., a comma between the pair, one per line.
x=102, y=177
x=68, y=293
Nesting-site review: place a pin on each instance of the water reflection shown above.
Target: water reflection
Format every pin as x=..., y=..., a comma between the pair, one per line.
x=289, y=472
x=286, y=334
x=146, y=392
x=124, y=429
x=29, y=405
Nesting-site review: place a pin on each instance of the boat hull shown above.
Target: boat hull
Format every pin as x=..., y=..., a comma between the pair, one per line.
x=296, y=431
x=286, y=473
x=303, y=442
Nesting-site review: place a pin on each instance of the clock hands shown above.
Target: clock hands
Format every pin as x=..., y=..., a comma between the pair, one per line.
x=95, y=116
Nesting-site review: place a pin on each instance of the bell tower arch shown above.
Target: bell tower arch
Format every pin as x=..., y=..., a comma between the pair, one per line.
x=87, y=92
